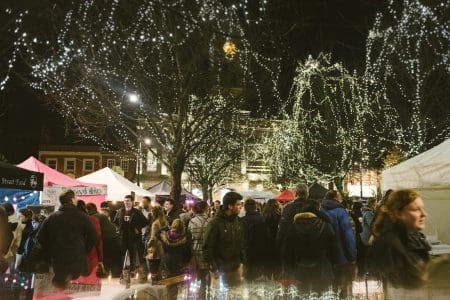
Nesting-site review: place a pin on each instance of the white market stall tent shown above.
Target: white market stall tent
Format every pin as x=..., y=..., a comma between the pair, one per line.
x=118, y=186
x=261, y=196
x=429, y=174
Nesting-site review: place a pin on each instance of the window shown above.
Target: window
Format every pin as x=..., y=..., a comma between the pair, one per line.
x=124, y=165
x=110, y=162
x=69, y=165
x=88, y=165
x=152, y=161
x=52, y=163
x=164, y=170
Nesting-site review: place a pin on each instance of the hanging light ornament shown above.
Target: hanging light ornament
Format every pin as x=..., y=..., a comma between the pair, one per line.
x=230, y=49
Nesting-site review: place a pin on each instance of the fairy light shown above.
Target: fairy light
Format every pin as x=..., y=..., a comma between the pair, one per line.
x=211, y=166
x=406, y=52
x=316, y=138
x=88, y=78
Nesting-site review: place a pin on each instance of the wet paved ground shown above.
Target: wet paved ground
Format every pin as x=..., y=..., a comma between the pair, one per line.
x=437, y=288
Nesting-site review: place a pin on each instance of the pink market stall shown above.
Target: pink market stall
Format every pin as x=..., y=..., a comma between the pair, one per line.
x=55, y=182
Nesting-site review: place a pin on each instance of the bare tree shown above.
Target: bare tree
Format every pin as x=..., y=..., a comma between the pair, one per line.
x=212, y=165
x=158, y=66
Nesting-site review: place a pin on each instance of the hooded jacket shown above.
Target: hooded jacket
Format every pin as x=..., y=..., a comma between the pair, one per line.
x=345, y=236
x=224, y=242
x=309, y=250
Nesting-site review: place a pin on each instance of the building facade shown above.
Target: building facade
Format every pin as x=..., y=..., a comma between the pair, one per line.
x=79, y=160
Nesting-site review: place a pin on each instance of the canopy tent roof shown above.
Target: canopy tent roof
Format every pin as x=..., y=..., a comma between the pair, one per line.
x=12, y=177
x=118, y=186
x=163, y=189
x=430, y=169
x=51, y=176
x=285, y=196
x=258, y=194
x=317, y=191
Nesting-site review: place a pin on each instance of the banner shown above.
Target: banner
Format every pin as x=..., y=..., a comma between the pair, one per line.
x=50, y=195
x=13, y=177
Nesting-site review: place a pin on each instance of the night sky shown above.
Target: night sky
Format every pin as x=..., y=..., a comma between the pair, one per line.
x=299, y=27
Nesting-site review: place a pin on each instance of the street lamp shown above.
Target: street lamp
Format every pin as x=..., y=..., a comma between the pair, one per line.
x=133, y=97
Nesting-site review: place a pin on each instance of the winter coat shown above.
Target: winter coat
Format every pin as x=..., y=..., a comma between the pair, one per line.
x=96, y=254
x=287, y=217
x=256, y=236
x=367, y=218
x=154, y=246
x=67, y=235
x=197, y=227
x=272, y=226
x=224, y=242
x=177, y=251
x=106, y=226
x=309, y=250
x=345, y=236
x=6, y=238
x=27, y=230
x=16, y=228
x=399, y=256
x=130, y=232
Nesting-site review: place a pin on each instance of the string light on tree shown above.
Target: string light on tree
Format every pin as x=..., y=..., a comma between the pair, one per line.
x=407, y=75
x=321, y=126
x=170, y=53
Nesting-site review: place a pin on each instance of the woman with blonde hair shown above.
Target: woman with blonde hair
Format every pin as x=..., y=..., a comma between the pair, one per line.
x=154, y=246
x=400, y=251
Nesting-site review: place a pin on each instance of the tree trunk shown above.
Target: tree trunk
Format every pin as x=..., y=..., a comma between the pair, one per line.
x=338, y=183
x=176, y=172
x=205, y=192
x=211, y=196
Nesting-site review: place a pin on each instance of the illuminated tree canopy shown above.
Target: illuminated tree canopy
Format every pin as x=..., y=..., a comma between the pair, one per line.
x=165, y=56
x=319, y=138
x=407, y=77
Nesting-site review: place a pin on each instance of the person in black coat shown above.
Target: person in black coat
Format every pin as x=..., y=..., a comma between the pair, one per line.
x=400, y=251
x=256, y=237
x=272, y=214
x=309, y=250
x=66, y=236
x=290, y=210
x=130, y=221
x=172, y=212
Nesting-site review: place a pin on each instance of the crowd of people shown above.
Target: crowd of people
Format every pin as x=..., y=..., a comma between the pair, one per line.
x=314, y=243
